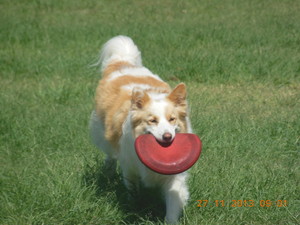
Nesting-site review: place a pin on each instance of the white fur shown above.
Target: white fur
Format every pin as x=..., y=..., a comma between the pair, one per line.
x=137, y=72
x=120, y=48
x=130, y=87
x=174, y=187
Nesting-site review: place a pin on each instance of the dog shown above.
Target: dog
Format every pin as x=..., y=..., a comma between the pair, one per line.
x=131, y=101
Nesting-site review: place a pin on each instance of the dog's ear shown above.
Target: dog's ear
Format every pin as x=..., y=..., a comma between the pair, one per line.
x=139, y=98
x=178, y=95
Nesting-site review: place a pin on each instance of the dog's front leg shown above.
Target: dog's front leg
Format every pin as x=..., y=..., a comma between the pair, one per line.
x=176, y=194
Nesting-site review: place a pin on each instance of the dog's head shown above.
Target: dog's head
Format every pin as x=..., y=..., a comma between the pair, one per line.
x=162, y=115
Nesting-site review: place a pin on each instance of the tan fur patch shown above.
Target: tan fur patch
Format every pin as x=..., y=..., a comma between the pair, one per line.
x=177, y=115
x=139, y=99
x=178, y=95
x=139, y=122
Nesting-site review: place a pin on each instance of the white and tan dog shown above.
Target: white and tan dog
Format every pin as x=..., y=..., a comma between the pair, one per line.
x=130, y=101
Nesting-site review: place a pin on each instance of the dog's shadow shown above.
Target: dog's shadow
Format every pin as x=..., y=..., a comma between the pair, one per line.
x=147, y=204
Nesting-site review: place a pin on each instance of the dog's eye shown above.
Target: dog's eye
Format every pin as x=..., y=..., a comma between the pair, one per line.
x=152, y=121
x=172, y=119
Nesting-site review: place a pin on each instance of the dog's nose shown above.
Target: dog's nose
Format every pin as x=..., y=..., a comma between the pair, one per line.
x=167, y=136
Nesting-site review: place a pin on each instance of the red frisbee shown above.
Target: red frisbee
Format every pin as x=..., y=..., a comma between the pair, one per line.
x=173, y=158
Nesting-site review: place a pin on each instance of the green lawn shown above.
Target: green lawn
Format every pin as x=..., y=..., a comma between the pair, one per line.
x=241, y=63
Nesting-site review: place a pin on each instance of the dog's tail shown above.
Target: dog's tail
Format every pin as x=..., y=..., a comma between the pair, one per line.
x=119, y=51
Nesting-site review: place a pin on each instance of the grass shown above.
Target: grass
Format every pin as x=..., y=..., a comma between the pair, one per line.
x=240, y=61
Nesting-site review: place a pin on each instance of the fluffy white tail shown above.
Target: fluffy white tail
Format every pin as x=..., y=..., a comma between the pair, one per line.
x=119, y=48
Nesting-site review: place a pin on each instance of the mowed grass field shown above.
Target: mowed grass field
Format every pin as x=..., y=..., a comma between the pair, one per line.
x=241, y=63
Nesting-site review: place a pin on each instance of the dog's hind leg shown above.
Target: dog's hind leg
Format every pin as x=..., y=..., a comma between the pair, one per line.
x=133, y=187
x=110, y=166
x=97, y=131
